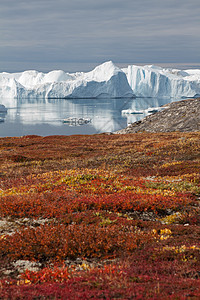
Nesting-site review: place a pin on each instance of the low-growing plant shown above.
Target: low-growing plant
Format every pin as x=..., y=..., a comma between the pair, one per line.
x=106, y=216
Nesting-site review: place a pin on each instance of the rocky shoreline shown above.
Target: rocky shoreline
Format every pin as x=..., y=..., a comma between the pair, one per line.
x=183, y=116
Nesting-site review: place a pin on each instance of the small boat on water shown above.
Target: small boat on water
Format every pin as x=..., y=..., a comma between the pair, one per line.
x=76, y=121
x=1, y=120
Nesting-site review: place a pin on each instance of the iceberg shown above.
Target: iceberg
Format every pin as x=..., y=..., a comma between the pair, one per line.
x=105, y=81
x=153, y=81
x=150, y=110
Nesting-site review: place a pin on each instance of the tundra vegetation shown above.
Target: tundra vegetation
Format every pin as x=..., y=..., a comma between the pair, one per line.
x=100, y=216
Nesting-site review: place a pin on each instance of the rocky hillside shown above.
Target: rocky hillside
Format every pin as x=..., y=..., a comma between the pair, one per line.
x=183, y=116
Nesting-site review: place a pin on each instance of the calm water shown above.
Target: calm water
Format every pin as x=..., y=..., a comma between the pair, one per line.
x=45, y=117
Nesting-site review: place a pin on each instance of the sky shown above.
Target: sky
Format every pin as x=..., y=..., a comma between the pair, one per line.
x=77, y=35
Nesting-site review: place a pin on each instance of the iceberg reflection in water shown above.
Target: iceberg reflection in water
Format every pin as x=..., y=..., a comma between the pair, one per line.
x=3, y=112
x=45, y=116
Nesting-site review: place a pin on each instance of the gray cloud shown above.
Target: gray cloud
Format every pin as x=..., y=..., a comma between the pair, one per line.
x=52, y=34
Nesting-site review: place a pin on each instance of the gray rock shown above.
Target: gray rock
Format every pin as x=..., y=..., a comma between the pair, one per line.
x=183, y=116
x=22, y=265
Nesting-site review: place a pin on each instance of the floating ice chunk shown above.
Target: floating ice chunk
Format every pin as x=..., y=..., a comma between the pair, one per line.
x=3, y=108
x=150, y=110
x=73, y=121
x=132, y=111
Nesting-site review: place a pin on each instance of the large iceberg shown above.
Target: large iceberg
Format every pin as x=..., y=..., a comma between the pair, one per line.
x=153, y=81
x=105, y=81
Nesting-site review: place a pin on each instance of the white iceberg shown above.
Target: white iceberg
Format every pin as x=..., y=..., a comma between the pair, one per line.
x=152, y=81
x=131, y=112
x=150, y=110
x=105, y=81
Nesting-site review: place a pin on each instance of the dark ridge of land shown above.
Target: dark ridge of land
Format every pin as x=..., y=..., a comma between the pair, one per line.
x=180, y=116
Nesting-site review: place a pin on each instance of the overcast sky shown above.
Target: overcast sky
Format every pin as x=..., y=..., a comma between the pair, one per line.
x=79, y=34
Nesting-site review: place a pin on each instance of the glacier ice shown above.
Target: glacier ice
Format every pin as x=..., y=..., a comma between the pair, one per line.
x=153, y=81
x=105, y=81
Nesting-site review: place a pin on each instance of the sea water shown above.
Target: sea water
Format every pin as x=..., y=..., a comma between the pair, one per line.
x=45, y=116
